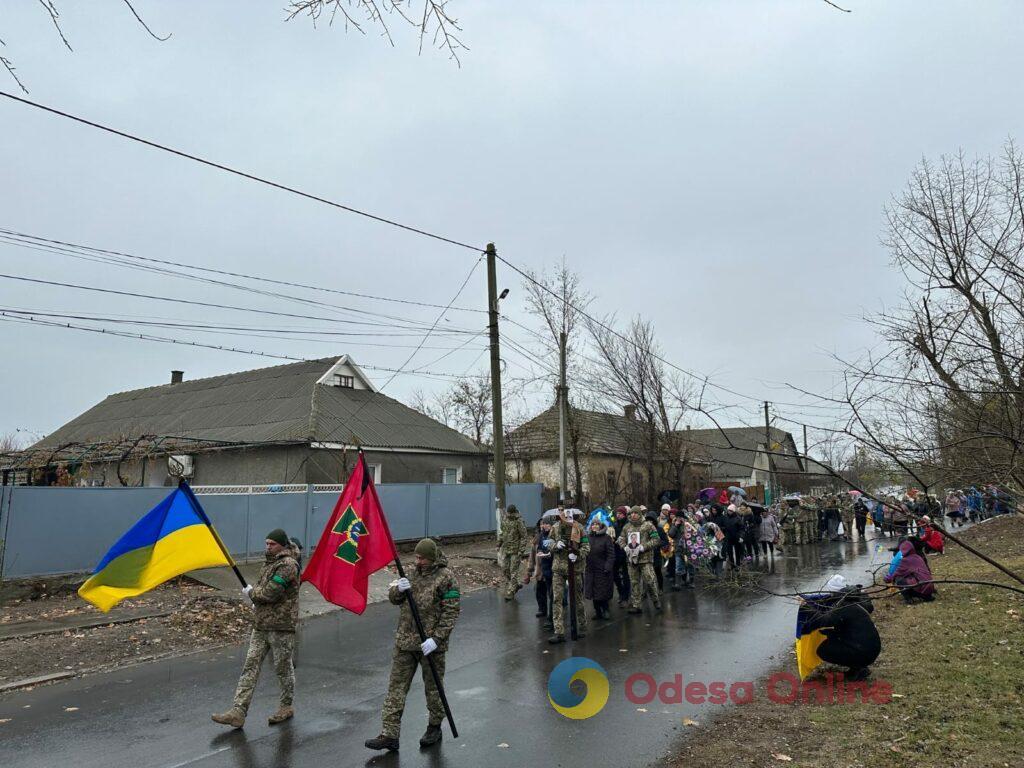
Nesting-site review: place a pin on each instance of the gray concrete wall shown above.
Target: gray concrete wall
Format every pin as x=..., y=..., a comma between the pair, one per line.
x=50, y=530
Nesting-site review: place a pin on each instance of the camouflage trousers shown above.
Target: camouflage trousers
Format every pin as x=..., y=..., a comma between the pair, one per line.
x=807, y=532
x=847, y=519
x=558, y=585
x=510, y=574
x=789, y=534
x=403, y=669
x=642, y=579
x=282, y=646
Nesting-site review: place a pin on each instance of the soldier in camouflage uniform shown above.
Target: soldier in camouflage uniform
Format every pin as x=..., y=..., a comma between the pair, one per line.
x=846, y=516
x=514, y=545
x=275, y=599
x=808, y=523
x=436, y=593
x=789, y=525
x=638, y=539
x=569, y=541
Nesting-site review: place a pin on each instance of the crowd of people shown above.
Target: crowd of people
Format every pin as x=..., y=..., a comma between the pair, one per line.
x=636, y=554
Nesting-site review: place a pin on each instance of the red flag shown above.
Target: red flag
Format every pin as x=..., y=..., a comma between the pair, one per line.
x=355, y=543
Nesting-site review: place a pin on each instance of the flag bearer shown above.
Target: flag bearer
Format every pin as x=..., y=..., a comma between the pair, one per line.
x=436, y=593
x=275, y=599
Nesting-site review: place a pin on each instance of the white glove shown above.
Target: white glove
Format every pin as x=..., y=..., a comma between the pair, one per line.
x=428, y=646
x=403, y=584
x=560, y=544
x=572, y=557
x=247, y=591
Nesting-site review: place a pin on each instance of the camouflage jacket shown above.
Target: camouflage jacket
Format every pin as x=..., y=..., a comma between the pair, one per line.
x=436, y=592
x=513, y=539
x=275, y=595
x=560, y=531
x=649, y=538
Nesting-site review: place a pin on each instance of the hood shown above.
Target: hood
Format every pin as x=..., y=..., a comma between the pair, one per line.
x=906, y=548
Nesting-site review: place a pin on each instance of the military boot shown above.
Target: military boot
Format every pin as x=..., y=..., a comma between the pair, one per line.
x=431, y=737
x=282, y=714
x=556, y=639
x=383, y=742
x=233, y=717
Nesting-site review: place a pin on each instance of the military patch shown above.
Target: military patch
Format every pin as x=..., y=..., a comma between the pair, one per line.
x=451, y=594
x=351, y=527
x=280, y=580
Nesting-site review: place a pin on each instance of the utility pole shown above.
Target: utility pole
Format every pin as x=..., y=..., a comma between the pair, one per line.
x=805, y=441
x=562, y=405
x=492, y=325
x=768, y=451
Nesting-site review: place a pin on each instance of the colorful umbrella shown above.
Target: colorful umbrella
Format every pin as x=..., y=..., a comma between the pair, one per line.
x=706, y=494
x=737, y=489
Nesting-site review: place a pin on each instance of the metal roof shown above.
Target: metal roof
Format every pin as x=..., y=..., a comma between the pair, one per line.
x=267, y=405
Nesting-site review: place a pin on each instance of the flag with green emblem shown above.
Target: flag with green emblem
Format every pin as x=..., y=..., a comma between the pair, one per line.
x=356, y=542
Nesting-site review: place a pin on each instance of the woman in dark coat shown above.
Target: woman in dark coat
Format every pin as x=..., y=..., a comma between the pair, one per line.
x=598, y=580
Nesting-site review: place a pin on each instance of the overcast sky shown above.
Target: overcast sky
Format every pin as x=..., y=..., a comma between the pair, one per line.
x=718, y=167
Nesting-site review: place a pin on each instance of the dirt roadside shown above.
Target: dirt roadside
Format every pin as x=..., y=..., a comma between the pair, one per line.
x=955, y=667
x=195, y=617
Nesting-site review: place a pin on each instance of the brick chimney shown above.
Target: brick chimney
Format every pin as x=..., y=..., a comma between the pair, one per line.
x=177, y=377
x=629, y=411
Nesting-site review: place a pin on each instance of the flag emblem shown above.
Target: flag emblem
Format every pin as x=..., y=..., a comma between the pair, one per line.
x=350, y=526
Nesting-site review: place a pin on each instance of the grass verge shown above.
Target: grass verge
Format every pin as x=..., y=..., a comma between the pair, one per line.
x=956, y=667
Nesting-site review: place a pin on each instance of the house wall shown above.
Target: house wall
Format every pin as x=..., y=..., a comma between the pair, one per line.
x=630, y=484
x=330, y=466
x=284, y=464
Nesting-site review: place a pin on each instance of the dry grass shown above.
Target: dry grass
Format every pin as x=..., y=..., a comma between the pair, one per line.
x=956, y=667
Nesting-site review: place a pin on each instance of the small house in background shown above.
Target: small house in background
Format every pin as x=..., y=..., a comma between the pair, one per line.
x=739, y=458
x=614, y=453
x=297, y=423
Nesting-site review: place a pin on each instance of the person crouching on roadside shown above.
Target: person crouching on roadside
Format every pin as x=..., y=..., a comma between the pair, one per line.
x=912, y=576
x=851, y=638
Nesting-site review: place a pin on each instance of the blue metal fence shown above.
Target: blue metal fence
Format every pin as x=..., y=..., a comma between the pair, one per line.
x=46, y=531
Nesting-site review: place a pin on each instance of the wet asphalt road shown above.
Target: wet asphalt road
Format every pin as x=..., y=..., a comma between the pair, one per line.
x=158, y=714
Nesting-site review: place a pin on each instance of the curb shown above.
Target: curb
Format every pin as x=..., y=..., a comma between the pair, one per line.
x=38, y=680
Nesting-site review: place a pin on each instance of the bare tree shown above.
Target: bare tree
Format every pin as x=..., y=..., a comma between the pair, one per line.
x=943, y=403
x=634, y=374
x=559, y=302
x=465, y=406
x=430, y=18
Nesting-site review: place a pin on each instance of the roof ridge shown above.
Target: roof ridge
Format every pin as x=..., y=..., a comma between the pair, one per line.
x=219, y=376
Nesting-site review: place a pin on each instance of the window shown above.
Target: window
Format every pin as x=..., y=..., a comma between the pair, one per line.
x=340, y=380
x=451, y=475
x=610, y=482
x=374, y=472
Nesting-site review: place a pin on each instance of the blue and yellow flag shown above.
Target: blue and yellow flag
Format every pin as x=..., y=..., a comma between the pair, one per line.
x=174, y=537
x=807, y=642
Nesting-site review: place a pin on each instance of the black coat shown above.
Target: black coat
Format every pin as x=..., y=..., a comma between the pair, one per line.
x=597, y=581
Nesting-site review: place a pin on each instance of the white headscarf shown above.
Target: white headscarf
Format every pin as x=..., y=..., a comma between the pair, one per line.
x=836, y=583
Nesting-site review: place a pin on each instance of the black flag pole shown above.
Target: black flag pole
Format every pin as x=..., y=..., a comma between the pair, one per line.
x=415, y=611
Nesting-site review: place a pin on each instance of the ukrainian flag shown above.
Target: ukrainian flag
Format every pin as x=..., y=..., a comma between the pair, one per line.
x=174, y=537
x=807, y=659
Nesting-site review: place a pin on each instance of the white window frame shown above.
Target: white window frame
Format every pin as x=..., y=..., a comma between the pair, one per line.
x=375, y=469
x=458, y=475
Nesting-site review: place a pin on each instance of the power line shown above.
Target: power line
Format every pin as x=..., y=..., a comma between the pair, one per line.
x=114, y=261
x=227, y=273
x=204, y=345
x=192, y=302
x=243, y=174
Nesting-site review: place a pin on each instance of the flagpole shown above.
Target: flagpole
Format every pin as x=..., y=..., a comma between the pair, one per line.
x=183, y=487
